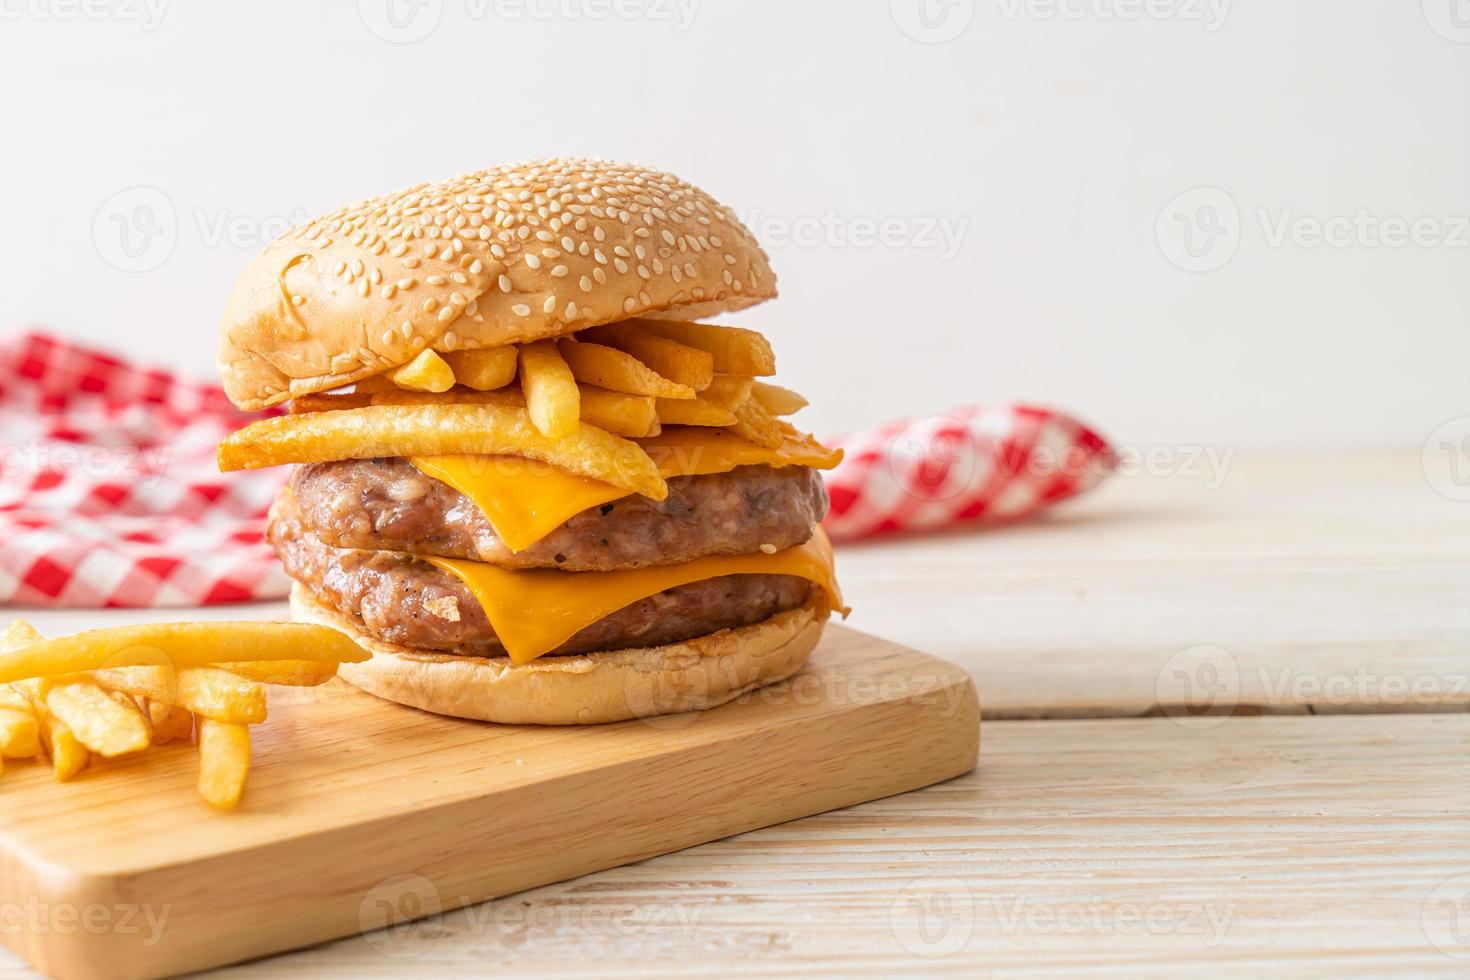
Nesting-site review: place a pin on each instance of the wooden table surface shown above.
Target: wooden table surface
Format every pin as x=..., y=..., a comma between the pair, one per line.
x=1226, y=725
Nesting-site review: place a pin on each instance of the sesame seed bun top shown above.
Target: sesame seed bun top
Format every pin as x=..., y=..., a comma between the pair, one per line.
x=500, y=256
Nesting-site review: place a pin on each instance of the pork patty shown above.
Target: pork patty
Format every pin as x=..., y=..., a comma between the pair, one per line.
x=396, y=598
x=388, y=505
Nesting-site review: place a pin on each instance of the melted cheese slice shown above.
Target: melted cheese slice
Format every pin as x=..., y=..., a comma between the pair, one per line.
x=534, y=612
x=525, y=501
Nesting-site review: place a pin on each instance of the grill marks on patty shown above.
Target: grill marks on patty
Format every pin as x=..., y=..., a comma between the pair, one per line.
x=395, y=598
x=388, y=505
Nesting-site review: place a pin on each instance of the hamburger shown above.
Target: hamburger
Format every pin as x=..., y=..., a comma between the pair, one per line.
x=527, y=478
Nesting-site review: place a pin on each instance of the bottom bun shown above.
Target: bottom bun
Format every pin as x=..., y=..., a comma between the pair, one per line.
x=586, y=689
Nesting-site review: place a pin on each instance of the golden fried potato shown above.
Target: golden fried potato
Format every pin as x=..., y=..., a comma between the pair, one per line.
x=754, y=423
x=183, y=644
x=610, y=368
x=776, y=399
x=427, y=372
x=735, y=350
x=618, y=413
x=483, y=370
x=224, y=762
x=552, y=398
x=688, y=366
x=693, y=411
x=433, y=430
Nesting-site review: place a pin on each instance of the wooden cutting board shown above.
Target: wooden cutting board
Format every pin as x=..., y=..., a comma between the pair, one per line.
x=362, y=814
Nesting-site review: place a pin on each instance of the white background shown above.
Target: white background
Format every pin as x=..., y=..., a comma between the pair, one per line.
x=1048, y=138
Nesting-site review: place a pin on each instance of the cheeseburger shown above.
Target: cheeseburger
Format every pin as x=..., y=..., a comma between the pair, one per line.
x=526, y=478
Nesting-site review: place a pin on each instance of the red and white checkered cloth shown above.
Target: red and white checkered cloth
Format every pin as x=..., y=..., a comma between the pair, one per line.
x=976, y=464
x=109, y=494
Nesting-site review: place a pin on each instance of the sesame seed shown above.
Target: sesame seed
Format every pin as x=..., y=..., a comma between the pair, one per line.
x=521, y=309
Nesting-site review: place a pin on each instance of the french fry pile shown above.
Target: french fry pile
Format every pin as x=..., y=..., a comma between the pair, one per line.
x=581, y=403
x=117, y=691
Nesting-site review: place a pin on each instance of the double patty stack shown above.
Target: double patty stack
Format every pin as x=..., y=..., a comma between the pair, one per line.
x=528, y=483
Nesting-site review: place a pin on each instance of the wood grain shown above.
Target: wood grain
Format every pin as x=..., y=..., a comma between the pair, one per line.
x=1333, y=583
x=1294, y=846
x=360, y=808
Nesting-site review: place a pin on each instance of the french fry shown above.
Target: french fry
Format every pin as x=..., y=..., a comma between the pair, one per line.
x=427, y=372
x=776, y=399
x=552, y=398
x=224, y=762
x=620, y=414
x=610, y=368
x=170, y=722
x=19, y=634
x=67, y=754
x=183, y=644
x=728, y=390
x=693, y=411
x=483, y=370
x=105, y=726
x=427, y=430
x=287, y=673
x=754, y=423
x=686, y=365
x=153, y=683
x=734, y=349
x=20, y=732
x=337, y=401
x=210, y=692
